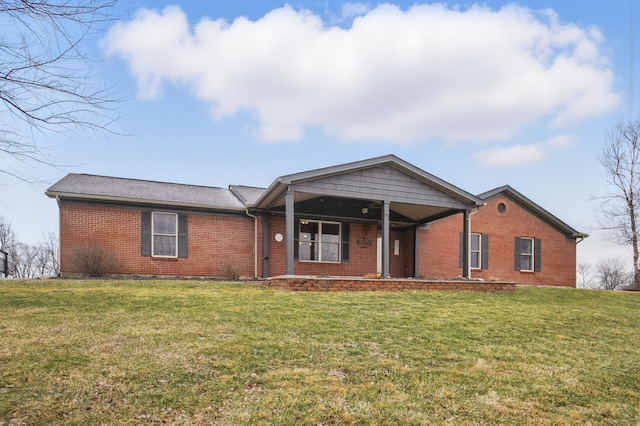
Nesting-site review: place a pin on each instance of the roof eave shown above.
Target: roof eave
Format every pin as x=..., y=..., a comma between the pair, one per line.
x=124, y=200
x=270, y=192
x=559, y=224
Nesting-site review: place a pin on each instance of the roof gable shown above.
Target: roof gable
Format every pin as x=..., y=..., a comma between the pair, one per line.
x=381, y=183
x=534, y=209
x=386, y=177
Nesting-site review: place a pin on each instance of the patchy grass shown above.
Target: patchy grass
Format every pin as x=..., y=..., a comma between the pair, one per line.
x=187, y=352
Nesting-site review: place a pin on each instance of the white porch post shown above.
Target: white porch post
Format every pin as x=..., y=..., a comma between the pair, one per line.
x=385, y=239
x=466, y=244
x=290, y=226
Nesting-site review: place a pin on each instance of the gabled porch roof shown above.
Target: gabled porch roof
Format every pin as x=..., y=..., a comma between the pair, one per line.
x=414, y=195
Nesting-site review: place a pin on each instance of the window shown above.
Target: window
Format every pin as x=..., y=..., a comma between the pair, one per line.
x=165, y=234
x=476, y=253
x=528, y=254
x=478, y=249
x=319, y=241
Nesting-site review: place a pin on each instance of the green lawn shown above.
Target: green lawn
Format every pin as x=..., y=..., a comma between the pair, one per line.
x=191, y=352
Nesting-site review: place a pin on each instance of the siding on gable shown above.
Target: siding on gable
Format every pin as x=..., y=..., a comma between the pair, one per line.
x=380, y=183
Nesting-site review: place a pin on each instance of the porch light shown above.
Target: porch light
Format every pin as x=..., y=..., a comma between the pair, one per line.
x=365, y=210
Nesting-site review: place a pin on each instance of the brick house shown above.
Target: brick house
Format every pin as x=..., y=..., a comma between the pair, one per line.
x=381, y=215
x=512, y=239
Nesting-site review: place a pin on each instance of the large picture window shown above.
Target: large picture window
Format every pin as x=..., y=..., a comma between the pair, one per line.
x=165, y=234
x=319, y=241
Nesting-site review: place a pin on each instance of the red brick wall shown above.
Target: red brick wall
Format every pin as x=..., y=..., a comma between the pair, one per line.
x=223, y=246
x=362, y=253
x=363, y=284
x=439, y=246
x=401, y=265
x=219, y=246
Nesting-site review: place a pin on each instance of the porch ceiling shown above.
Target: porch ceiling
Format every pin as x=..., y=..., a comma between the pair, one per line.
x=401, y=214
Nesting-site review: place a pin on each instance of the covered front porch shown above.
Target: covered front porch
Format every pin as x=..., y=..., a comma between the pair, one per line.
x=355, y=219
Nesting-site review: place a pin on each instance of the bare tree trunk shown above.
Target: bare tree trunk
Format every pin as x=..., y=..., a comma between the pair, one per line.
x=621, y=161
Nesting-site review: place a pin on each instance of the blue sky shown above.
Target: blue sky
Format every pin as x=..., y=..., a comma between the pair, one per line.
x=479, y=94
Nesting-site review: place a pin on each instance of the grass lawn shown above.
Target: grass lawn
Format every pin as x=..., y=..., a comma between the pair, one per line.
x=191, y=352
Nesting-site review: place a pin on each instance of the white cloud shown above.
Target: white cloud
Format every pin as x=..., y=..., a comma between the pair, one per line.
x=393, y=75
x=351, y=10
x=515, y=155
x=518, y=155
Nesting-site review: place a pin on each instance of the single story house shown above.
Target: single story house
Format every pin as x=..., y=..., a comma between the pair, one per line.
x=377, y=216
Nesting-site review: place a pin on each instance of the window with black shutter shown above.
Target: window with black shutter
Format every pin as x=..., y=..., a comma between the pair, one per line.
x=164, y=234
x=479, y=250
x=527, y=254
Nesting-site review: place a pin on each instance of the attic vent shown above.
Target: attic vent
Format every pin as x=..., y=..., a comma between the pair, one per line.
x=502, y=208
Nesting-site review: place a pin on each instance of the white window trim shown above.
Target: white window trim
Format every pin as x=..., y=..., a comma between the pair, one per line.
x=153, y=235
x=479, y=251
x=319, y=242
x=532, y=254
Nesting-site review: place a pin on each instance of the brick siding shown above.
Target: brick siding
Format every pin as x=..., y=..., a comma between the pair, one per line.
x=362, y=253
x=219, y=246
x=439, y=246
x=223, y=246
x=345, y=284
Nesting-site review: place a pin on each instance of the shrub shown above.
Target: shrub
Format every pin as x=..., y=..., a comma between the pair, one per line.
x=94, y=261
x=228, y=271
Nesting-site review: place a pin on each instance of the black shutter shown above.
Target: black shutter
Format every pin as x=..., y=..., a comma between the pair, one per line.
x=537, y=262
x=345, y=241
x=516, y=254
x=296, y=238
x=183, y=236
x=461, y=251
x=485, y=251
x=145, y=234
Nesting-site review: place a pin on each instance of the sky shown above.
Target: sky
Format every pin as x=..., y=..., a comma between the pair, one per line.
x=480, y=94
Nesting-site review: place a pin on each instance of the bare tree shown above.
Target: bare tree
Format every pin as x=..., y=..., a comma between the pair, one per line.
x=585, y=274
x=611, y=274
x=46, y=78
x=48, y=262
x=619, y=207
x=24, y=261
x=7, y=237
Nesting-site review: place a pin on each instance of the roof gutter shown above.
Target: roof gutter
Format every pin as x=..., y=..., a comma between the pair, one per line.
x=255, y=242
x=62, y=195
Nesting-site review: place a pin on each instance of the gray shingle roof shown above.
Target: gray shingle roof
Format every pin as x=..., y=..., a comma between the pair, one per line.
x=247, y=194
x=83, y=186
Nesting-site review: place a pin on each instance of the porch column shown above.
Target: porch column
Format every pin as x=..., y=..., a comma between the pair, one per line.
x=416, y=252
x=290, y=226
x=265, y=244
x=385, y=239
x=466, y=243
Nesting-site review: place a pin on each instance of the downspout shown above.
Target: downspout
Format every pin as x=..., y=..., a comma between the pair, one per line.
x=255, y=242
